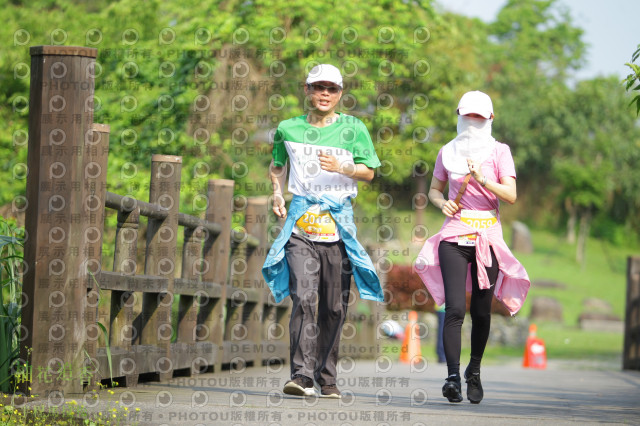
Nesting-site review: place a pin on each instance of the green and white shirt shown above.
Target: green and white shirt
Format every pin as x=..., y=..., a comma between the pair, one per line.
x=347, y=139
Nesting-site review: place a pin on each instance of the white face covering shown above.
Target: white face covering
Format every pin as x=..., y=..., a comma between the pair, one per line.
x=474, y=141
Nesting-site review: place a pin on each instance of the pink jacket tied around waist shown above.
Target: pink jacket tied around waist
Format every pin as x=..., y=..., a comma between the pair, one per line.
x=513, y=282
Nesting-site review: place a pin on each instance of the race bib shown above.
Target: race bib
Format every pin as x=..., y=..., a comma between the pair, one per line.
x=477, y=219
x=468, y=240
x=318, y=225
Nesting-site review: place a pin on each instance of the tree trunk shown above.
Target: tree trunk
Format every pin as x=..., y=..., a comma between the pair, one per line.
x=571, y=222
x=583, y=234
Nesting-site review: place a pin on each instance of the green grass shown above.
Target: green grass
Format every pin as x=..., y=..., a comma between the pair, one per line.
x=561, y=343
x=71, y=412
x=603, y=275
x=565, y=343
x=573, y=343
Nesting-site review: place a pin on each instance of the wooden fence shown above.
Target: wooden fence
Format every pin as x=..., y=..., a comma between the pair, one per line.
x=631, y=353
x=226, y=314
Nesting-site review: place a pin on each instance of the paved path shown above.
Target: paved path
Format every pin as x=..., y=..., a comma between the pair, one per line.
x=389, y=393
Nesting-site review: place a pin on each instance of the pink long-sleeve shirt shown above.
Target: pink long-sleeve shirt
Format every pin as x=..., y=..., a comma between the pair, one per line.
x=513, y=281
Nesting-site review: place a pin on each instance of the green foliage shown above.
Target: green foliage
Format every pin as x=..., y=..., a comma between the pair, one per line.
x=11, y=239
x=210, y=80
x=535, y=47
x=607, y=229
x=632, y=82
x=105, y=334
x=72, y=412
x=537, y=39
x=584, y=185
x=603, y=140
x=156, y=63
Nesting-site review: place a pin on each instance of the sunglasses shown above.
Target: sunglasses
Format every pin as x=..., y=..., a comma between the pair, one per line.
x=321, y=88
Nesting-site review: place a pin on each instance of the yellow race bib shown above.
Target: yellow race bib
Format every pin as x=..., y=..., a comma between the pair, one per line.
x=318, y=225
x=477, y=219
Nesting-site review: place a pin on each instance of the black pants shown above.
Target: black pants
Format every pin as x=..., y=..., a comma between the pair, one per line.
x=319, y=277
x=454, y=261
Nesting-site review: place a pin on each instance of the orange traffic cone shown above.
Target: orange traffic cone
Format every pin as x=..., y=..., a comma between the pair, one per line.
x=411, y=352
x=535, y=353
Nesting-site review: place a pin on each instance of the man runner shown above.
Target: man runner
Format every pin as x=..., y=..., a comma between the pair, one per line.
x=317, y=252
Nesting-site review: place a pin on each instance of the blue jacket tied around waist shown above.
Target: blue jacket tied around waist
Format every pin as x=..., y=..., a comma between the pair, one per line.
x=276, y=269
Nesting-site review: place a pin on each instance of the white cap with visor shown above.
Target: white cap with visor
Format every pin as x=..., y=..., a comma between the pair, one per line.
x=474, y=140
x=475, y=102
x=325, y=72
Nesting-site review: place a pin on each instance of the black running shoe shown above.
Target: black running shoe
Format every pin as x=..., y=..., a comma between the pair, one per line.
x=452, y=388
x=474, y=387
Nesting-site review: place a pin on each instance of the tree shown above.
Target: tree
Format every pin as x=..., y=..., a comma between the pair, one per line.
x=532, y=49
x=634, y=78
x=170, y=72
x=584, y=189
x=596, y=158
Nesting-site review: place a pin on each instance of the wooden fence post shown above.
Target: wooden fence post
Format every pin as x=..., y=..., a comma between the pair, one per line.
x=164, y=190
x=253, y=282
x=122, y=329
x=188, y=304
x=95, y=185
x=217, y=249
x=237, y=350
x=55, y=283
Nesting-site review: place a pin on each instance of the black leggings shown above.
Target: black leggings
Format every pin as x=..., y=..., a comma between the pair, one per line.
x=454, y=260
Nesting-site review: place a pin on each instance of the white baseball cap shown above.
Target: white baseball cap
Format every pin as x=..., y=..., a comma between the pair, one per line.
x=325, y=72
x=475, y=102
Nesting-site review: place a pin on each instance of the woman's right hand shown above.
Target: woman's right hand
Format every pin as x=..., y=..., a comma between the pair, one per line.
x=449, y=208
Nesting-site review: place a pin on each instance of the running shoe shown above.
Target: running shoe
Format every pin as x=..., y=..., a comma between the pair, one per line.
x=299, y=386
x=452, y=388
x=330, y=391
x=474, y=387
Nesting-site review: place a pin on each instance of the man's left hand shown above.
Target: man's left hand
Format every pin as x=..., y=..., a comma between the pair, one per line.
x=328, y=162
